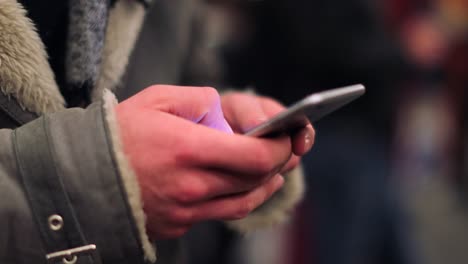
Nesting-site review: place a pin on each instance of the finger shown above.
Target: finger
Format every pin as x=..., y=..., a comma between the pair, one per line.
x=167, y=230
x=243, y=111
x=195, y=145
x=238, y=206
x=235, y=153
x=290, y=165
x=303, y=140
x=270, y=106
x=203, y=185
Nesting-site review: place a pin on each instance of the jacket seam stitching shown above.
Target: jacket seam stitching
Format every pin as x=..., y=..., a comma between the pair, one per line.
x=25, y=188
x=53, y=155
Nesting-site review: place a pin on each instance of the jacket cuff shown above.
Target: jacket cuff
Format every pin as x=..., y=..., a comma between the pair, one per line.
x=276, y=210
x=70, y=172
x=128, y=176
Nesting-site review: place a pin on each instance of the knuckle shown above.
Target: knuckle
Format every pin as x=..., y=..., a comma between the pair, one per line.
x=188, y=191
x=294, y=162
x=180, y=216
x=180, y=232
x=184, y=153
x=254, y=119
x=155, y=88
x=233, y=95
x=175, y=232
x=244, y=209
x=268, y=193
x=187, y=151
x=291, y=164
x=264, y=161
x=211, y=93
x=187, y=196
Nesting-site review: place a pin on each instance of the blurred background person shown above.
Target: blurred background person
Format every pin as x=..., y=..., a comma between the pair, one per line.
x=431, y=128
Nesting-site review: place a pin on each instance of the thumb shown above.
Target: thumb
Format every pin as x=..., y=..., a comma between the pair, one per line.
x=215, y=119
x=201, y=105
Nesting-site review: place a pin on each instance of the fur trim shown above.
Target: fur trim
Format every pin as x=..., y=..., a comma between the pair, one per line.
x=124, y=24
x=26, y=73
x=128, y=177
x=278, y=208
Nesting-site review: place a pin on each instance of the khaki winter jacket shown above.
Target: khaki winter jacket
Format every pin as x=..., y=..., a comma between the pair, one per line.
x=68, y=192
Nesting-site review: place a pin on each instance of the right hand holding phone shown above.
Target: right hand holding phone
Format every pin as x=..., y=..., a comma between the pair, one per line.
x=189, y=172
x=248, y=110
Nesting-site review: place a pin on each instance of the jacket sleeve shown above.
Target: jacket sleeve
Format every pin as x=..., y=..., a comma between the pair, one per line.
x=278, y=209
x=66, y=186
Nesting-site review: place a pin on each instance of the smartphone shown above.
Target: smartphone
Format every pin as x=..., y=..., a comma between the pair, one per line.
x=309, y=109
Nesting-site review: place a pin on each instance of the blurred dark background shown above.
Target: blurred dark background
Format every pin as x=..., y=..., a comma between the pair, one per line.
x=387, y=180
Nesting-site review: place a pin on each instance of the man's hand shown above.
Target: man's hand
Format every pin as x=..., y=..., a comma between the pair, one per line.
x=188, y=171
x=244, y=111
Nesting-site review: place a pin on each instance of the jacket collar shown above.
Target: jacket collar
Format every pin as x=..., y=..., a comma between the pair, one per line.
x=25, y=73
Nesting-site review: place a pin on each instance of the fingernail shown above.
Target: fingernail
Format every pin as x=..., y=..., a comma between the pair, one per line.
x=308, y=141
x=279, y=180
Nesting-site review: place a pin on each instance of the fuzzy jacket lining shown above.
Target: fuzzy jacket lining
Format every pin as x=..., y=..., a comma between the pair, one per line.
x=128, y=177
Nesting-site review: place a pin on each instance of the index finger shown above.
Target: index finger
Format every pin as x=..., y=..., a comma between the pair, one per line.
x=301, y=140
x=233, y=152
x=242, y=111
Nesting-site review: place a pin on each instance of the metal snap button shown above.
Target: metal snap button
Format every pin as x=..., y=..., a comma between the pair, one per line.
x=55, y=222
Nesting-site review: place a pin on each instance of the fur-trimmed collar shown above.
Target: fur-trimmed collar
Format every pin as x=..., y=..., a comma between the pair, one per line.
x=25, y=73
x=24, y=70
